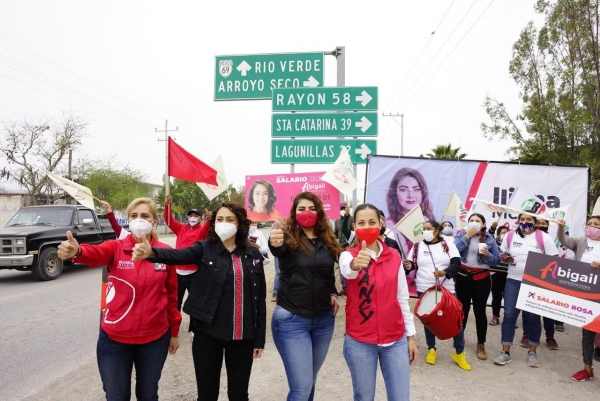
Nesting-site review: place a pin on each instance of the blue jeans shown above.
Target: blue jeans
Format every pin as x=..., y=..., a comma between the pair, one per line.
x=459, y=339
x=395, y=366
x=277, y=274
x=548, y=325
x=302, y=343
x=530, y=320
x=116, y=360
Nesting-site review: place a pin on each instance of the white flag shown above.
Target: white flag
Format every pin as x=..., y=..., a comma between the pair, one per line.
x=596, y=211
x=341, y=174
x=80, y=193
x=212, y=191
x=523, y=200
x=411, y=225
x=562, y=213
x=456, y=208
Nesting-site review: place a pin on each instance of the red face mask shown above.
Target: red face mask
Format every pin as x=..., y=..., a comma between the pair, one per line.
x=369, y=235
x=307, y=219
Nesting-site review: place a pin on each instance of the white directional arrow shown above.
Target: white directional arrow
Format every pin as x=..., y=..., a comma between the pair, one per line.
x=311, y=82
x=364, y=124
x=364, y=98
x=364, y=151
x=243, y=68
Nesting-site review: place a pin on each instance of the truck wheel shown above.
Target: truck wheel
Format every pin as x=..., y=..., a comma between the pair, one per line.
x=49, y=265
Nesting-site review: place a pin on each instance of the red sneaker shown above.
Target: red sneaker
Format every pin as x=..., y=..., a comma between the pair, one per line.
x=583, y=375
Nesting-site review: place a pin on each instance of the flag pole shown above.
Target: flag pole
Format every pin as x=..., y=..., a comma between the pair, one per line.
x=167, y=180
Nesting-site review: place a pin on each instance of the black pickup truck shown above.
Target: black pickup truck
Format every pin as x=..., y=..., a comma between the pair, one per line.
x=30, y=239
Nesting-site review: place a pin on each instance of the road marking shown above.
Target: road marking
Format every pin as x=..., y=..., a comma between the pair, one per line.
x=46, y=288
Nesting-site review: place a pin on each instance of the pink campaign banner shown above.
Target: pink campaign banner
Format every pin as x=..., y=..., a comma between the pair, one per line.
x=270, y=197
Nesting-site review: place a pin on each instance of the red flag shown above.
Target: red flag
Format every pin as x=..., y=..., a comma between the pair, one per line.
x=183, y=165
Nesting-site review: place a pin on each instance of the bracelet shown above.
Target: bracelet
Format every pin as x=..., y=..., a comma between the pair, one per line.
x=78, y=252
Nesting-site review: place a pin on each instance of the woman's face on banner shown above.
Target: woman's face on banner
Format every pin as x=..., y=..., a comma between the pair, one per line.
x=261, y=198
x=409, y=193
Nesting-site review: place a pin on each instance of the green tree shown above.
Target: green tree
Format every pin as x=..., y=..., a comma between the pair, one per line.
x=188, y=195
x=557, y=70
x=446, y=152
x=107, y=181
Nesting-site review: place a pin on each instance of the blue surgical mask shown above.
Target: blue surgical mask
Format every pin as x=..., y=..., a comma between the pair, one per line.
x=447, y=231
x=474, y=224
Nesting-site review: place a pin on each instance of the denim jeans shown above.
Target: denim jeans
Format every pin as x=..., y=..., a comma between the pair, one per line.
x=116, y=360
x=395, y=366
x=277, y=274
x=548, y=323
x=303, y=343
x=459, y=339
x=511, y=313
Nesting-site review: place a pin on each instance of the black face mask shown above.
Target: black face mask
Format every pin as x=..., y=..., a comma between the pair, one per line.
x=382, y=230
x=544, y=229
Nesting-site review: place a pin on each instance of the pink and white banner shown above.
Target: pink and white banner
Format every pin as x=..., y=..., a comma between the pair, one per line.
x=270, y=197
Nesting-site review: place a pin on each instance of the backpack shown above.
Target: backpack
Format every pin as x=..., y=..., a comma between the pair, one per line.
x=416, y=251
x=539, y=237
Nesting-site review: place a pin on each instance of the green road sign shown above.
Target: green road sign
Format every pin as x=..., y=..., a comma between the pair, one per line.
x=323, y=124
x=357, y=98
x=255, y=76
x=287, y=151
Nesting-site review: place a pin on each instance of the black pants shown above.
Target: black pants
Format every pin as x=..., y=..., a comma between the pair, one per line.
x=498, y=284
x=478, y=291
x=207, y=353
x=184, y=282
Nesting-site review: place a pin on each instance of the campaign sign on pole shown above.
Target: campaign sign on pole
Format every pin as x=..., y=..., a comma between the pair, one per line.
x=270, y=197
x=561, y=289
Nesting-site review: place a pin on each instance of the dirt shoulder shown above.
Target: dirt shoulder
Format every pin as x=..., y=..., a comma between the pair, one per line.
x=443, y=381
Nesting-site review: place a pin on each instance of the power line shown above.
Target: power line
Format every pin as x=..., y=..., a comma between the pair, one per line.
x=15, y=43
x=448, y=55
x=58, y=86
x=438, y=52
x=420, y=54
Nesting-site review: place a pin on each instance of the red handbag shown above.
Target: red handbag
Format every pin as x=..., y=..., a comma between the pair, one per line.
x=440, y=311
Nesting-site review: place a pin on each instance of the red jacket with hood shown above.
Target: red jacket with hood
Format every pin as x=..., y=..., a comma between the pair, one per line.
x=186, y=234
x=141, y=296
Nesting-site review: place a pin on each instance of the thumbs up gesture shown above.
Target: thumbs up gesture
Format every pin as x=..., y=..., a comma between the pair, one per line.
x=363, y=258
x=69, y=248
x=142, y=250
x=276, y=235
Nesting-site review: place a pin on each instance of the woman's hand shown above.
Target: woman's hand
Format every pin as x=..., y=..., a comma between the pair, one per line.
x=484, y=251
x=335, y=305
x=596, y=265
x=168, y=200
x=471, y=232
x=257, y=353
x=276, y=237
x=362, y=260
x=413, y=352
x=106, y=206
x=506, y=258
x=142, y=251
x=561, y=223
x=173, y=345
x=68, y=249
x=407, y=265
x=439, y=273
x=255, y=245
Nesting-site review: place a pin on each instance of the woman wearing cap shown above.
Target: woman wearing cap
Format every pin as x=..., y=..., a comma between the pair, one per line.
x=187, y=235
x=226, y=301
x=140, y=323
x=304, y=318
x=261, y=202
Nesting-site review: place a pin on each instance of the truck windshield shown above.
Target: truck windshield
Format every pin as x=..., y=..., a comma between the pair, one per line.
x=47, y=216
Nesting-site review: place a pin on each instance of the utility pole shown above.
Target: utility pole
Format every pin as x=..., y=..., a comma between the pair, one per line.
x=401, y=124
x=166, y=141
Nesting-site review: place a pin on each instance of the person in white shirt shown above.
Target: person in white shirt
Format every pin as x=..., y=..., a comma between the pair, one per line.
x=258, y=240
x=516, y=246
x=379, y=324
x=435, y=259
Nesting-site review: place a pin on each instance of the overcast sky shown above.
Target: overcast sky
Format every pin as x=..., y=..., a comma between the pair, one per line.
x=135, y=64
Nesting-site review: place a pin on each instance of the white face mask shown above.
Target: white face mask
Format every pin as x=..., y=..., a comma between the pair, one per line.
x=502, y=237
x=225, y=230
x=428, y=235
x=140, y=227
x=193, y=221
x=253, y=230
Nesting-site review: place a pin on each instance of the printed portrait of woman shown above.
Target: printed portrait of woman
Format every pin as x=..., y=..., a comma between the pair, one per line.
x=261, y=202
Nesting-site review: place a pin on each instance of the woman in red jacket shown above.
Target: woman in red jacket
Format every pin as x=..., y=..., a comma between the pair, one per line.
x=140, y=323
x=379, y=323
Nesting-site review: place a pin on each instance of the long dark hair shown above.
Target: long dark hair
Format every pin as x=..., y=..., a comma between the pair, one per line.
x=527, y=213
x=272, y=195
x=296, y=239
x=392, y=196
x=241, y=236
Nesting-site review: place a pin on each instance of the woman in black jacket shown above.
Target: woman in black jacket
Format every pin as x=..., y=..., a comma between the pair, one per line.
x=304, y=317
x=226, y=301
